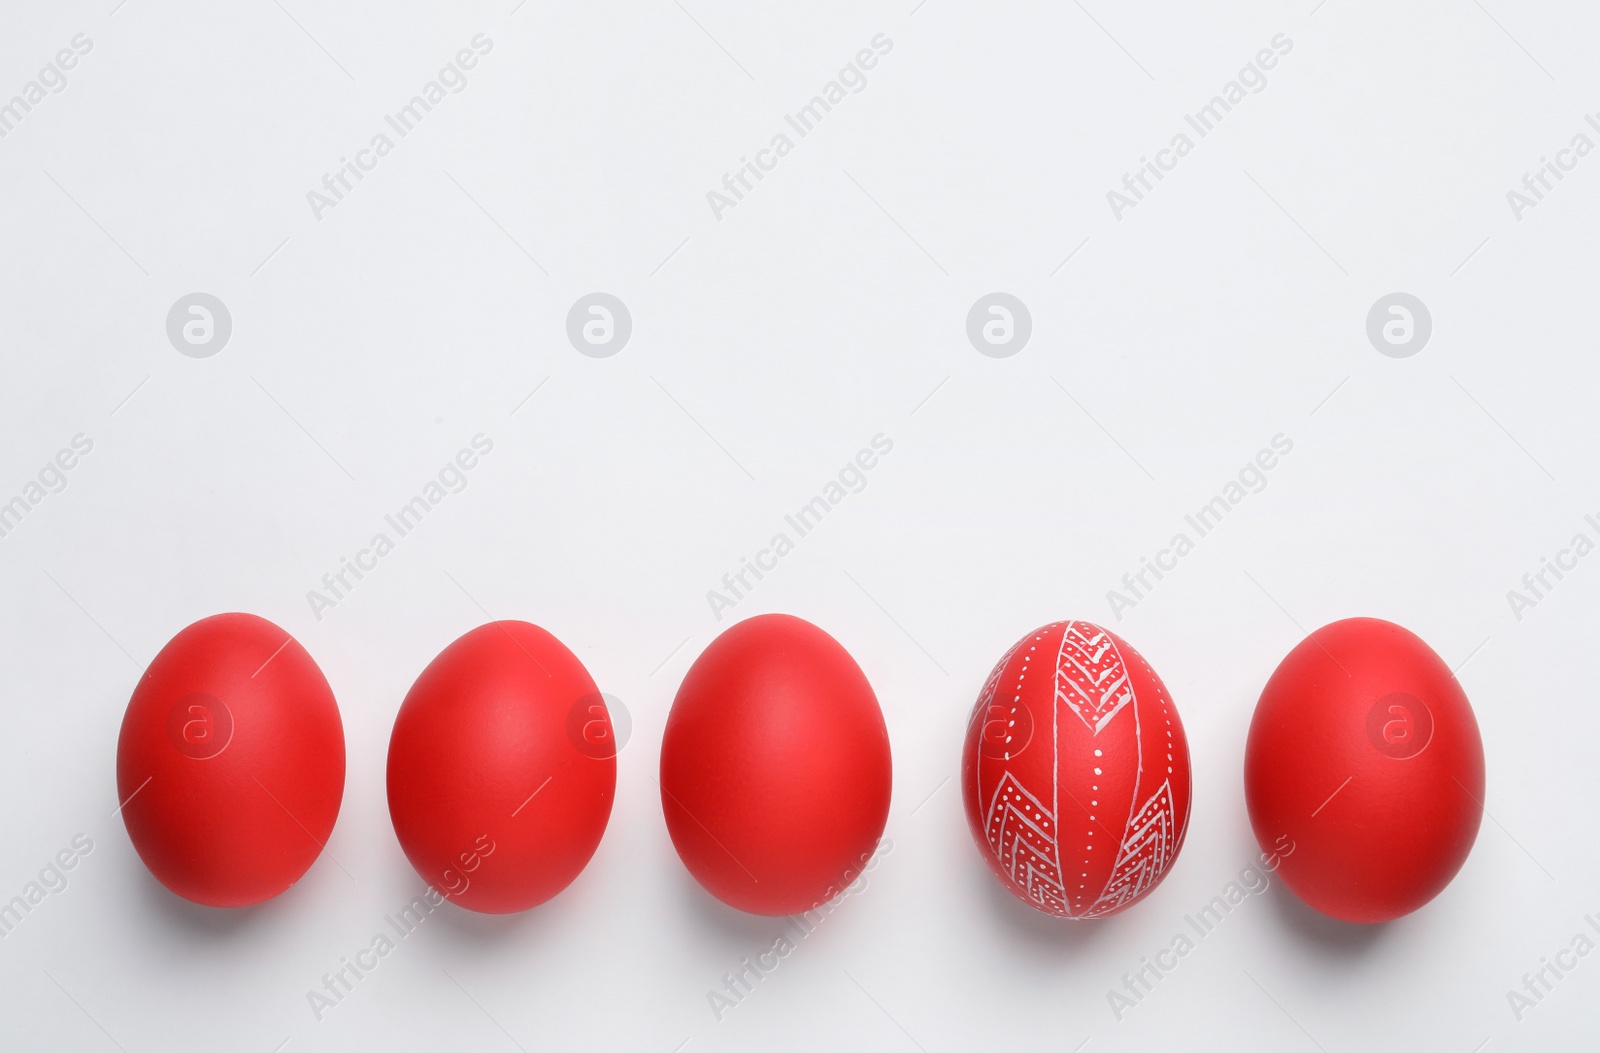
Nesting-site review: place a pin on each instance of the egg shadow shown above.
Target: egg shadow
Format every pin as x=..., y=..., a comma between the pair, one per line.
x=732, y=924
x=1041, y=932
x=1347, y=940
x=207, y=923
x=463, y=926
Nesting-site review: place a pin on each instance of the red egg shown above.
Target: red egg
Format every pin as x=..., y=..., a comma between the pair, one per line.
x=230, y=764
x=775, y=770
x=502, y=769
x=1364, y=761
x=1075, y=773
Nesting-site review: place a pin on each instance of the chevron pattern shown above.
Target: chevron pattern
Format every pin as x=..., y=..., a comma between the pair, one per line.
x=1091, y=679
x=1146, y=852
x=1022, y=835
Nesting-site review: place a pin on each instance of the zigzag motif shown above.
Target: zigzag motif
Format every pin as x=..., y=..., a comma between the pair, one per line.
x=1021, y=832
x=1145, y=854
x=1091, y=678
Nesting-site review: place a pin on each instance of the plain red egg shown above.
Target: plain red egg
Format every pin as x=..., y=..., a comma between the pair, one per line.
x=502, y=769
x=1075, y=773
x=230, y=764
x=775, y=769
x=1364, y=758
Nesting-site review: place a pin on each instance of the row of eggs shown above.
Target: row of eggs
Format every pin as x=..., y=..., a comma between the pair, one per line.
x=775, y=773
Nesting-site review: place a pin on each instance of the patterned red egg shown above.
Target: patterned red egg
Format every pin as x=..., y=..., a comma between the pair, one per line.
x=1075, y=772
x=502, y=768
x=1364, y=756
x=230, y=764
x=775, y=770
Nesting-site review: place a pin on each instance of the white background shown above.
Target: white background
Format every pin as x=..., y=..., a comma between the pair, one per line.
x=768, y=347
